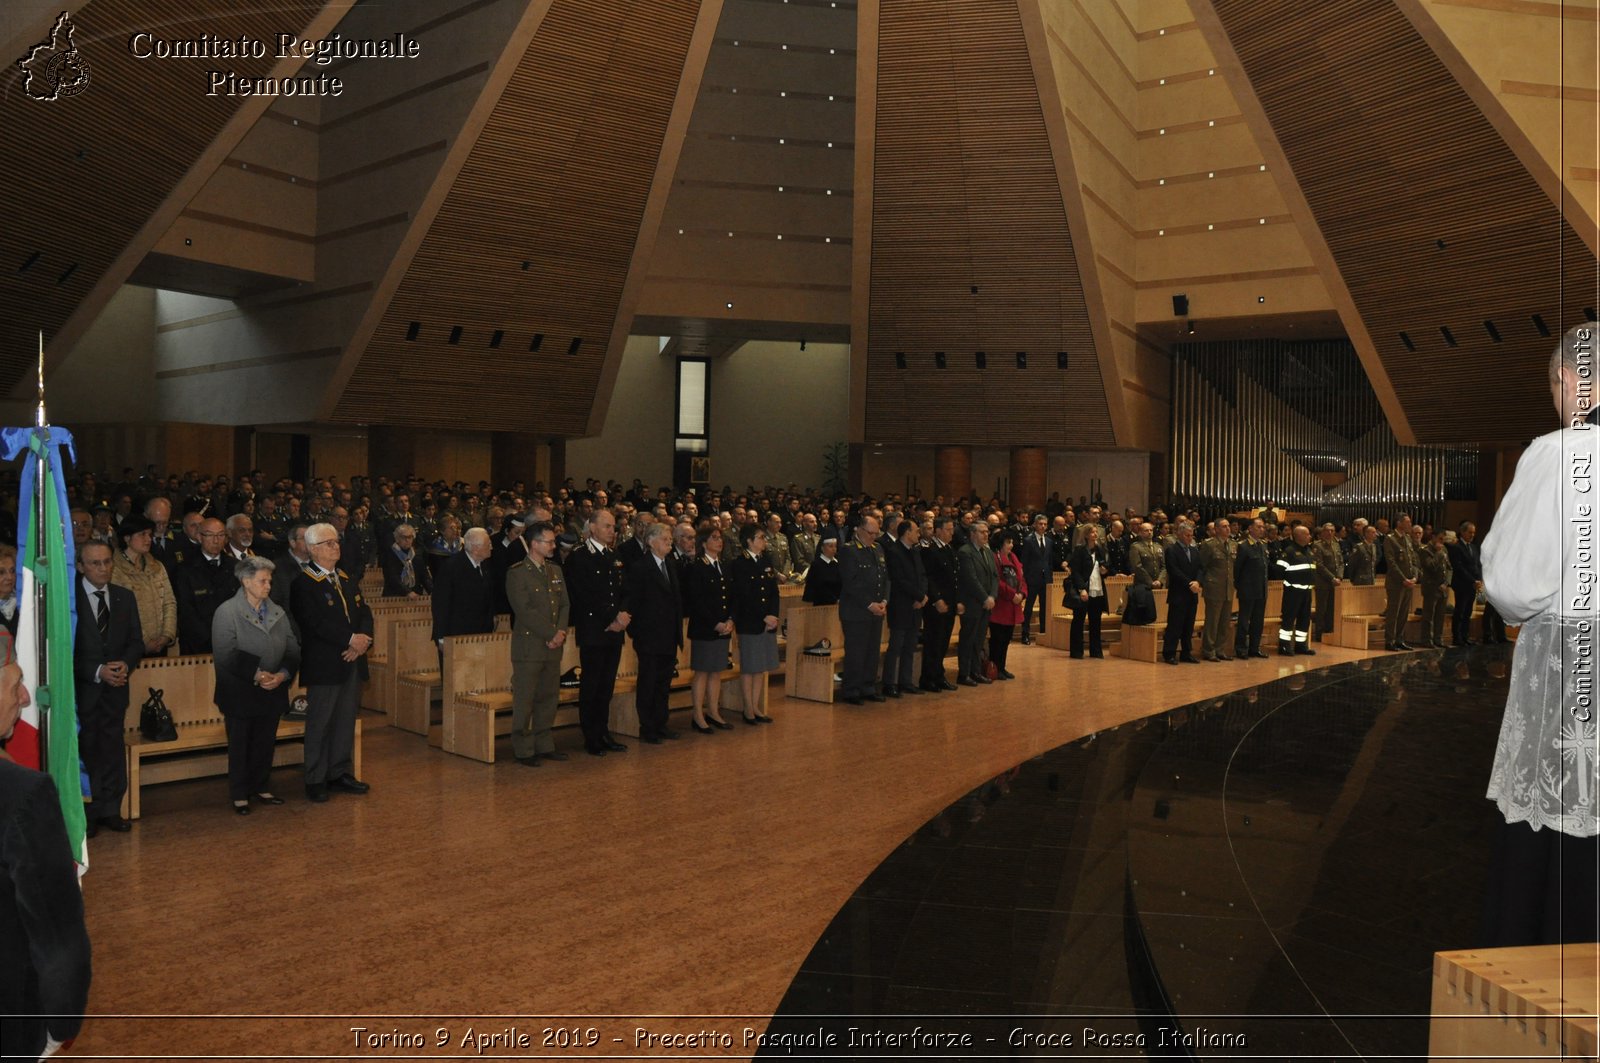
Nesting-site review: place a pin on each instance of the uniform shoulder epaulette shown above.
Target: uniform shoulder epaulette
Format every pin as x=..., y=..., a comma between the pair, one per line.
x=342, y=573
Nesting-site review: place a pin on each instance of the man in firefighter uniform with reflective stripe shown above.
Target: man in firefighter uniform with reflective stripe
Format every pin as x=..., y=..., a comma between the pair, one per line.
x=1296, y=566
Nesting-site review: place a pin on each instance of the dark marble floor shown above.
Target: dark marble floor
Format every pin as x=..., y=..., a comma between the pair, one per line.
x=1262, y=875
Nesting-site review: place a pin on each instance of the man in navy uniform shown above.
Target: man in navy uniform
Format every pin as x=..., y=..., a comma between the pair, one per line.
x=942, y=567
x=1250, y=580
x=594, y=583
x=863, y=604
x=1036, y=551
x=908, y=592
x=335, y=635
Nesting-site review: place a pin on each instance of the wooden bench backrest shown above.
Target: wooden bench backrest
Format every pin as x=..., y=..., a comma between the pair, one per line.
x=386, y=612
x=371, y=583
x=476, y=663
x=411, y=647
x=1350, y=600
x=808, y=623
x=187, y=684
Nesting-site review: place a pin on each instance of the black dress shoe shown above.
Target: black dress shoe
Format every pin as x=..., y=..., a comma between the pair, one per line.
x=879, y=698
x=889, y=692
x=911, y=690
x=241, y=808
x=1223, y=657
x=852, y=700
x=945, y=684
x=1403, y=646
x=705, y=730
x=669, y=733
x=594, y=751
x=967, y=681
x=1169, y=660
x=751, y=720
x=613, y=746
x=1188, y=658
x=1027, y=640
x=1211, y=658
x=931, y=688
x=1097, y=656
x=1076, y=656
x=316, y=793
x=90, y=829
x=268, y=799
x=721, y=725
x=763, y=719
x=1305, y=651
x=528, y=762
x=1285, y=651
x=117, y=823
x=1003, y=674
x=349, y=784
x=556, y=755
x=650, y=740
x=1258, y=653
x=983, y=680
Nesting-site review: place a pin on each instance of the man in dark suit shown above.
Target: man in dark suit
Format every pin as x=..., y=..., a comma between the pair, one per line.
x=978, y=584
x=940, y=565
x=107, y=649
x=352, y=551
x=463, y=592
x=863, y=603
x=1036, y=550
x=201, y=584
x=1250, y=580
x=595, y=585
x=908, y=593
x=508, y=550
x=335, y=635
x=1183, y=597
x=1466, y=580
x=655, y=604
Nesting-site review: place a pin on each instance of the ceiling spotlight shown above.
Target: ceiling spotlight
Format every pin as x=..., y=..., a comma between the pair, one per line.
x=1261, y=298
x=780, y=187
x=780, y=236
x=784, y=93
x=830, y=143
x=730, y=306
x=680, y=232
x=1212, y=122
x=1163, y=132
x=1163, y=81
x=1208, y=72
x=780, y=140
x=1263, y=166
x=1161, y=180
x=1211, y=173
x=1263, y=221
x=1210, y=226
x=827, y=239
x=1161, y=33
x=1161, y=232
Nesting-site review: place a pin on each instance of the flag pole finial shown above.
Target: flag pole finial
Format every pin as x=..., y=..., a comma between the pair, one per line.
x=40, y=416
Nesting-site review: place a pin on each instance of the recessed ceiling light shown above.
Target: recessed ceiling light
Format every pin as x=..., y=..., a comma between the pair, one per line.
x=830, y=191
x=1263, y=166
x=780, y=187
x=780, y=140
x=1163, y=81
x=1208, y=72
x=830, y=97
x=680, y=232
x=827, y=239
x=1210, y=226
x=730, y=306
x=780, y=236
x=1263, y=221
x=784, y=93
x=1163, y=132
x=1161, y=33
x=830, y=143
x=1161, y=232
x=1212, y=122
x=785, y=47
x=1161, y=180
x=1211, y=173
x=730, y=234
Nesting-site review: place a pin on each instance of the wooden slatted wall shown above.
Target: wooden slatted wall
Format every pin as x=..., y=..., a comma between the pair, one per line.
x=85, y=174
x=966, y=196
x=1432, y=220
x=536, y=236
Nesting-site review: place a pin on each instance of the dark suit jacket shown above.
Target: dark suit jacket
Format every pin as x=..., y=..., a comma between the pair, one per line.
x=1466, y=567
x=328, y=617
x=1081, y=562
x=124, y=641
x=1038, y=562
x=463, y=598
x=1182, y=569
x=1250, y=569
x=655, y=602
x=908, y=585
x=979, y=578
x=44, y=946
x=595, y=589
x=708, y=595
x=392, y=567
x=753, y=586
x=501, y=561
x=942, y=567
x=200, y=589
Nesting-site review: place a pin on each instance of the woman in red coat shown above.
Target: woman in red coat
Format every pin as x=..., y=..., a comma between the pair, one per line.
x=1007, y=612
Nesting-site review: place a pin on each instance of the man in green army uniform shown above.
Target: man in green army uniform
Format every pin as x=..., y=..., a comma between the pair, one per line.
x=1400, y=581
x=1433, y=570
x=778, y=554
x=1328, y=574
x=1147, y=560
x=1216, y=584
x=1361, y=567
x=537, y=592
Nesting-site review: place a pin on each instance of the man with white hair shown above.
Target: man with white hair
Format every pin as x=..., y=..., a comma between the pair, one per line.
x=463, y=591
x=241, y=532
x=335, y=635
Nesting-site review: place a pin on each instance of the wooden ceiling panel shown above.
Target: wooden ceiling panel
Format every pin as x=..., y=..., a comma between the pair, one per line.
x=1432, y=220
x=970, y=244
x=536, y=235
x=89, y=172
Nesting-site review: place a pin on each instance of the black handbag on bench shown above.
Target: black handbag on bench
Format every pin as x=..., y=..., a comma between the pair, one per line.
x=155, y=719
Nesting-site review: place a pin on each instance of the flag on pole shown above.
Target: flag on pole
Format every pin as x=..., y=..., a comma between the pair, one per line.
x=44, y=579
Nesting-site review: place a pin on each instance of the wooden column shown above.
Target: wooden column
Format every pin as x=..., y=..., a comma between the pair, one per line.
x=1028, y=465
x=515, y=456
x=952, y=471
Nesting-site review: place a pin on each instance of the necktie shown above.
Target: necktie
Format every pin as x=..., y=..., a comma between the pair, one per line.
x=102, y=614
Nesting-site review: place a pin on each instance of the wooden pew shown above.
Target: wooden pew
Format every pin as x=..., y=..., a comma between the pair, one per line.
x=806, y=676
x=201, y=749
x=1356, y=611
x=414, y=667
x=379, y=691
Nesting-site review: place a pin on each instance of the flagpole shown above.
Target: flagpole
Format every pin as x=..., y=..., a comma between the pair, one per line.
x=39, y=561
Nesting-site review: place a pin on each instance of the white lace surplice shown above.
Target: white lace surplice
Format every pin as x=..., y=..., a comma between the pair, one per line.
x=1537, y=560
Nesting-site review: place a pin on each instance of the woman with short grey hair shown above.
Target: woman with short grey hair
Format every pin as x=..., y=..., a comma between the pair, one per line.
x=255, y=655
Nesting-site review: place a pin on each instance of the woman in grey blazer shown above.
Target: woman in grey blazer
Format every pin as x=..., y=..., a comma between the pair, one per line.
x=255, y=654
